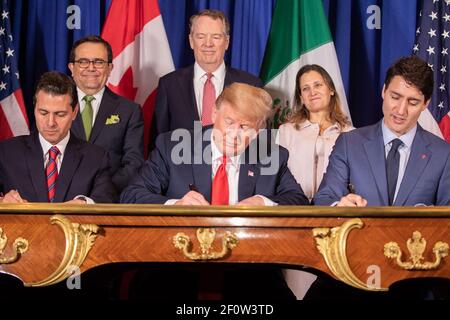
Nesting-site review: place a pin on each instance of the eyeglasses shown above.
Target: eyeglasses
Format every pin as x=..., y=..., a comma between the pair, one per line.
x=98, y=63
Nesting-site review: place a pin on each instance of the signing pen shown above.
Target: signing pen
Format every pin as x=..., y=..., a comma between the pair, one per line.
x=351, y=188
x=192, y=187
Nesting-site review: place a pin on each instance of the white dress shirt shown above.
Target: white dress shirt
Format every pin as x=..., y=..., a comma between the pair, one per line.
x=232, y=168
x=200, y=77
x=94, y=103
x=404, y=150
x=62, y=149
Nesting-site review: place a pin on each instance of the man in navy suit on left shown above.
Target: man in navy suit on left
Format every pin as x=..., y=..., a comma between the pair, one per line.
x=30, y=164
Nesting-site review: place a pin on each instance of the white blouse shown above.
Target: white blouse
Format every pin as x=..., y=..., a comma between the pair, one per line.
x=309, y=151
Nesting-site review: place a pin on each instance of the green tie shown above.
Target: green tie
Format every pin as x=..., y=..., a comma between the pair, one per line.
x=87, y=115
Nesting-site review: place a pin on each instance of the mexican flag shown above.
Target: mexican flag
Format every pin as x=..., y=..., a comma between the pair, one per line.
x=299, y=35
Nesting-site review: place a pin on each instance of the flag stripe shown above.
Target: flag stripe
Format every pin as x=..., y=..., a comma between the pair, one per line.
x=5, y=131
x=142, y=54
x=138, y=14
x=427, y=121
x=13, y=113
x=150, y=68
x=19, y=98
x=433, y=44
x=444, y=125
x=294, y=31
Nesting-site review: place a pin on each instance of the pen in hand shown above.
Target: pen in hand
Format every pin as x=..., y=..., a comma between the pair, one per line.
x=192, y=187
x=351, y=188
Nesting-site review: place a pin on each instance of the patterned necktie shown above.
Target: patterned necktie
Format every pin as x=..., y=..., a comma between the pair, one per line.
x=392, y=165
x=209, y=97
x=51, y=172
x=87, y=115
x=220, y=191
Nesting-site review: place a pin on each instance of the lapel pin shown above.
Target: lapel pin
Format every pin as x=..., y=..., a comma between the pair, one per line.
x=424, y=156
x=250, y=173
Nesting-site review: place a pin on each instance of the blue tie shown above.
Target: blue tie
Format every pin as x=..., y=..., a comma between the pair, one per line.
x=392, y=164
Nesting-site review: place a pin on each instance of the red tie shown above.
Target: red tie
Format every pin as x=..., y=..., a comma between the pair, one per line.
x=220, y=192
x=51, y=171
x=209, y=97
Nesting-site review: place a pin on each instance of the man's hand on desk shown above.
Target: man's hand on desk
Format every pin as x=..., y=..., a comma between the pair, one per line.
x=352, y=200
x=252, y=201
x=76, y=201
x=193, y=198
x=12, y=196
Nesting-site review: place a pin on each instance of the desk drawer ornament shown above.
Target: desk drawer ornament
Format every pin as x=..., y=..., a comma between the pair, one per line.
x=206, y=238
x=416, y=247
x=19, y=246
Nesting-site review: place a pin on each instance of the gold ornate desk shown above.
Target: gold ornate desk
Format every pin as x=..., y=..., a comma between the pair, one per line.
x=368, y=248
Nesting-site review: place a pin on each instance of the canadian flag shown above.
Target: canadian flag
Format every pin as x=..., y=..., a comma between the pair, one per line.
x=141, y=53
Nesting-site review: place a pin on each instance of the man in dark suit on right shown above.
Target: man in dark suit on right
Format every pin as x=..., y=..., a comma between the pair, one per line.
x=187, y=95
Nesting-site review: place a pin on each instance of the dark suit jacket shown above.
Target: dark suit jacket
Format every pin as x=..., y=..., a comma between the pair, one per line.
x=176, y=106
x=160, y=179
x=124, y=140
x=84, y=171
x=359, y=158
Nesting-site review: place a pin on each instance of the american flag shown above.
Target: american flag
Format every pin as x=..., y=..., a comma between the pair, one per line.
x=433, y=45
x=13, y=116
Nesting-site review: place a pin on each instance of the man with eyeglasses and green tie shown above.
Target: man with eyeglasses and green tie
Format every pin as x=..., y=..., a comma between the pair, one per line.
x=105, y=118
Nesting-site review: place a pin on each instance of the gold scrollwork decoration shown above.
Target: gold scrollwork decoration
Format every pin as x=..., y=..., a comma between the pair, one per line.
x=206, y=238
x=331, y=243
x=79, y=240
x=19, y=246
x=416, y=246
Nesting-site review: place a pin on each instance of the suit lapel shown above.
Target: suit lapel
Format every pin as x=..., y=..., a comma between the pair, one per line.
x=186, y=83
x=35, y=163
x=228, y=77
x=249, y=171
x=71, y=160
x=78, y=128
x=248, y=174
x=201, y=168
x=107, y=107
x=375, y=153
x=418, y=160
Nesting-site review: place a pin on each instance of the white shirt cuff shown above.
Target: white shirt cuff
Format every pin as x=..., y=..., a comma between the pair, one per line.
x=267, y=201
x=87, y=199
x=170, y=202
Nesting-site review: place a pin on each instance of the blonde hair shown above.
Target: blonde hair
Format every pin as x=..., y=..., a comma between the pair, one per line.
x=252, y=103
x=213, y=14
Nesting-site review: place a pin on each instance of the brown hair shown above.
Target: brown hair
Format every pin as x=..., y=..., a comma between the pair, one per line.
x=301, y=113
x=415, y=71
x=213, y=14
x=252, y=103
x=92, y=39
x=58, y=84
